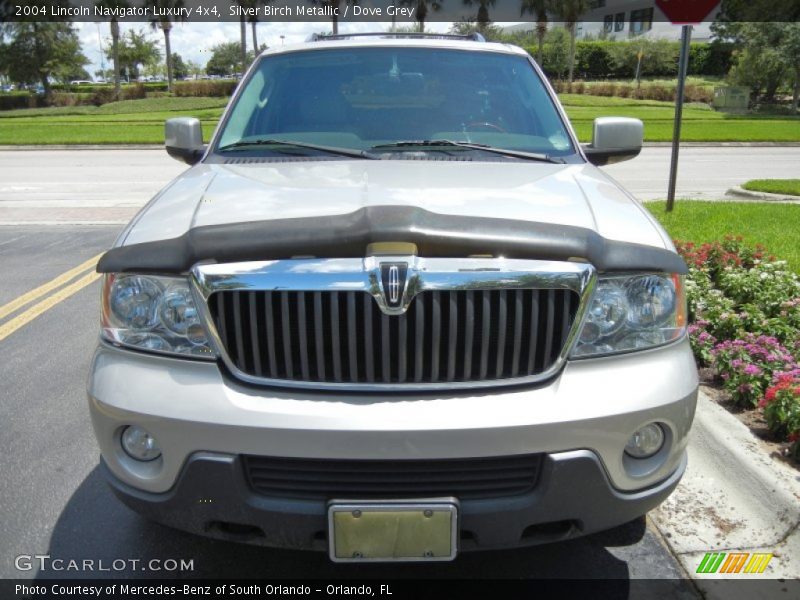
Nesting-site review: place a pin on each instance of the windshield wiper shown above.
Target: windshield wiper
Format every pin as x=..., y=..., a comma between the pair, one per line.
x=471, y=146
x=271, y=142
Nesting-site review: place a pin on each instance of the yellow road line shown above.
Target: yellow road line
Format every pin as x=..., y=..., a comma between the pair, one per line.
x=37, y=309
x=21, y=301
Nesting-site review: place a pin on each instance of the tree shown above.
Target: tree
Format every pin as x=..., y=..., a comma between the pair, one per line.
x=791, y=51
x=538, y=8
x=136, y=49
x=114, y=24
x=225, y=59
x=555, y=59
x=483, y=11
x=166, y=9
x=422, y=8
x=570, y=11
x=195, y=69
x=492, y=33
x=768, y=56
x=253, y=19
x=334, y=6
x=40, y=51
x=180, y=70
x=657, y=56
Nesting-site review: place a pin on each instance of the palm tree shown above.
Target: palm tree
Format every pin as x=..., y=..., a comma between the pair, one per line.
x=334, y=4
x=539, y=9
x=422, y=8
x=114, y=39
x=483, y=11
x=164, y=23
x=570, y=11
x=254, y=22
x=243, y=34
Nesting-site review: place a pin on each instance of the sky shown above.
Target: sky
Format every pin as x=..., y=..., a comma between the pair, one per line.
x=193, y=41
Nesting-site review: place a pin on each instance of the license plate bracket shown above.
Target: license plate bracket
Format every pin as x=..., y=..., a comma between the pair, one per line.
x=393, y=530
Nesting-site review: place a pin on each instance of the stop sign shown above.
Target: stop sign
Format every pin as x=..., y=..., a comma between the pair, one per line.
x=686, y=12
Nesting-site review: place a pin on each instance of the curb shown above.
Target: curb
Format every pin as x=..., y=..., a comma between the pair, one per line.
x=734, y=497
x=740, y=192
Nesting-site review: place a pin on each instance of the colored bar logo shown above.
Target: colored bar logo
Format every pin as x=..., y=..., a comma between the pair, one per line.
x=734, y=562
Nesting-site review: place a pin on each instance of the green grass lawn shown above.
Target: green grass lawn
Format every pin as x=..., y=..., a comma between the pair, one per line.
x=777, y=226
x=789, y=187
x=700, y=122
x=125, y=122
x=142, y=121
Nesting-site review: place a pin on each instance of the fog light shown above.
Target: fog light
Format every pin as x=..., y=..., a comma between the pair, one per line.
x=139, y=444
x=645, y=442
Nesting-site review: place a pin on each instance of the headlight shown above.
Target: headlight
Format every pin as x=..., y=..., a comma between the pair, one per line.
x=153, y=313
x=632, y=312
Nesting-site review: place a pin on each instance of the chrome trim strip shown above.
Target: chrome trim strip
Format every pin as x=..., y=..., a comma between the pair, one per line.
x=363, y=274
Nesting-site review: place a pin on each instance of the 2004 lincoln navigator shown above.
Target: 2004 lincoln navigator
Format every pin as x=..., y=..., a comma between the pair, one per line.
x=394, y=311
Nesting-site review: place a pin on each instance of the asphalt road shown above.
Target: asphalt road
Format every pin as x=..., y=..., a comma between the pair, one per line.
x=108, y=186
x=53, y=500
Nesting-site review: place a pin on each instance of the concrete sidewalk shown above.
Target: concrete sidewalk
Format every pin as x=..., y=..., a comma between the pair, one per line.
x=735, y=497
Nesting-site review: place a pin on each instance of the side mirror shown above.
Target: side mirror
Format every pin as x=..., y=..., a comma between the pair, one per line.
x=183, y=137
x=614, y=139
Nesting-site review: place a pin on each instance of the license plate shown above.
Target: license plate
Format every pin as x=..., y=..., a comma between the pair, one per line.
x=392, y=531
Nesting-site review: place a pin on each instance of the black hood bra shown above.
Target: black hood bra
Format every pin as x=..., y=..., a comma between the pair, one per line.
x=347, y=236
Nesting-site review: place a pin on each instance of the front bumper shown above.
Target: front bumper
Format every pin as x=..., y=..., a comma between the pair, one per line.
x=573, y=497
x=581, y=419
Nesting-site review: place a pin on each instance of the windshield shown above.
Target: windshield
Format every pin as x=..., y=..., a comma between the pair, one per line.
x=370, y=99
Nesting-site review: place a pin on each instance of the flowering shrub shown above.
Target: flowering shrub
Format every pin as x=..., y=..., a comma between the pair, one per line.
x=766, y=286
x=702, y=342
x=715, y=256
x=781, y=404
x=747, y=365
x=744, y=312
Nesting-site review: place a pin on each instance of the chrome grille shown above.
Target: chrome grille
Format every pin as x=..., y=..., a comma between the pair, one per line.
x=345, y=337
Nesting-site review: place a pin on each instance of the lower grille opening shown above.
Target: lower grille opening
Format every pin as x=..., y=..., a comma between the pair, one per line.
x=326, y=479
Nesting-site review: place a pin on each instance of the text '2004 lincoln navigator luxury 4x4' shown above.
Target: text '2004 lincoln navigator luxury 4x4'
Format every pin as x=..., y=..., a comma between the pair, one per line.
x=394, y=311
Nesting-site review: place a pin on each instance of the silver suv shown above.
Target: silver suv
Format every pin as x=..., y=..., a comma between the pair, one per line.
x=394, y=311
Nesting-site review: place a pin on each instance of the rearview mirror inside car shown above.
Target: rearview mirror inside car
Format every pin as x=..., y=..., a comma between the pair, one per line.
x=614, y=139
x=183, y=137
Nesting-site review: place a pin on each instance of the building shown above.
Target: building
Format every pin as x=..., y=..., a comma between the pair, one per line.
x=623, y=19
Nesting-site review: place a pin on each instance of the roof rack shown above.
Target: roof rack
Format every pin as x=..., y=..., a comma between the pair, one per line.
x=475, y=37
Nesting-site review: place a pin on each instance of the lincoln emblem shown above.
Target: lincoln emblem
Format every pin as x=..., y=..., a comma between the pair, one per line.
x=393, y=280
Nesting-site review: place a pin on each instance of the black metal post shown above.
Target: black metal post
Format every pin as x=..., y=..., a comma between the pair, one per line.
x=683, y=66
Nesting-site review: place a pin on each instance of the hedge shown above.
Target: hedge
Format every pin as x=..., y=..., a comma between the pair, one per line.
x=25, y=100
x=150, y=86
x=221, y=88
x=593, y=60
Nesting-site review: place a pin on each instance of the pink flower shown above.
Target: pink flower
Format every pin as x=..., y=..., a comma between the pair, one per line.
x=752, y=370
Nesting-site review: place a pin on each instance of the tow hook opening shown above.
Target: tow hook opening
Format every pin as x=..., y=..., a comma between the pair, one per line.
x=551, y=531
x=235, y=531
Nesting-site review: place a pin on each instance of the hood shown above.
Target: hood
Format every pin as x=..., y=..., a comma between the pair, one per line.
x=247, y=190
